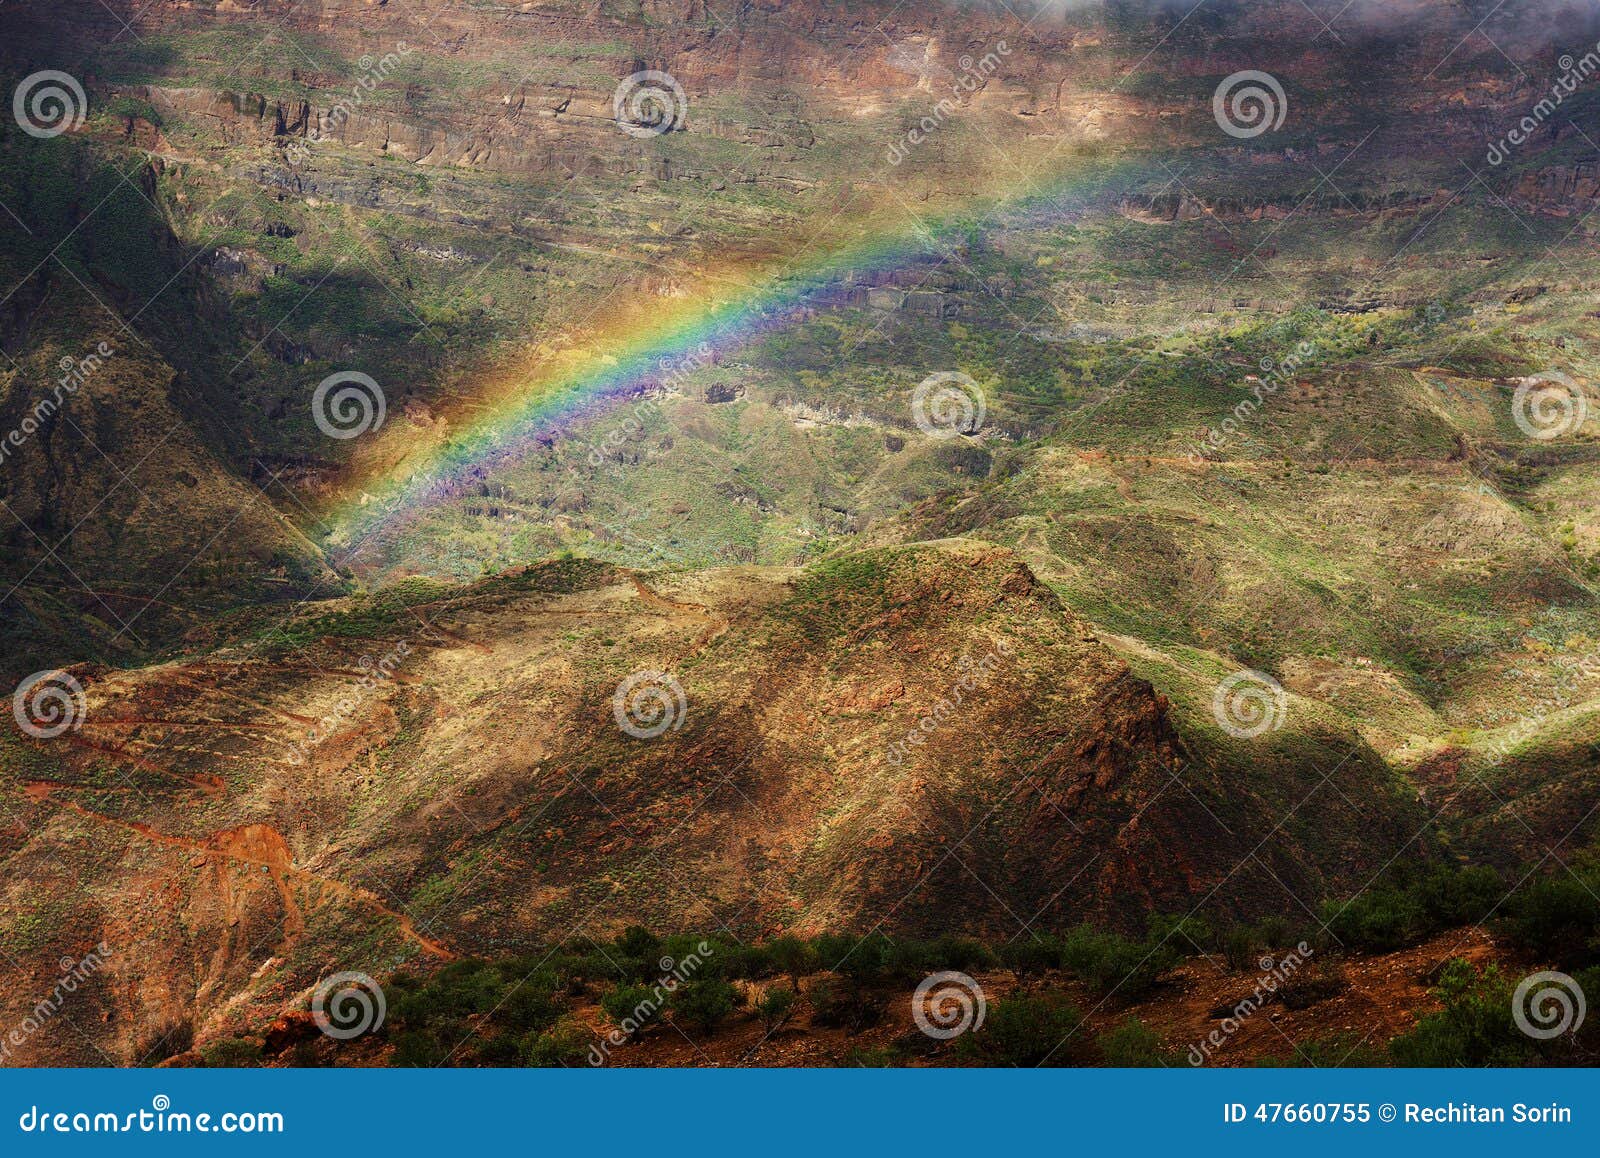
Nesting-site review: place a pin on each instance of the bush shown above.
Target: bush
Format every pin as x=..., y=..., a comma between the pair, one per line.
x=565, y=1044
x=881, y=1057
x=1475, y=1027
x=632, y=1007
x=793, y=956
x=417, y=1048
x=1379, y=920
x=1239, y=949
x=1557, y=919
x=839, y=1001
x=704, y=1002
x=639, y=943
x=1305, y=988
x=1114, y=964
x=1031, y=955
x=1339, y=1051
x=775, y=1006
x=1030, y=1030
x=231, y=1053
x=1134, y=1045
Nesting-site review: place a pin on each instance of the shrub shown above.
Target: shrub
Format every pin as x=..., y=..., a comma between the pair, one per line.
x=881, y=1057
x=1114, y=964
x=419, y=1048
x=1239, y=949
x=639, y=943
x=775, y=1006
x=1305, y=988
x=632, y=1007
x=1031, y=955
x=1557, y=918
x=704, y=1002
x=231, y=1053
x=961, y=953
x=1379, y=920
x=1030, y=1030
x=793, y=956
x=1134, y=1045
x=1475, y=1027
x=1338, y=1051
x=839, y=1001
x=565, y=1044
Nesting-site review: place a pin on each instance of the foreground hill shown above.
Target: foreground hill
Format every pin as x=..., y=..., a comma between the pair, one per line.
x=237, y=822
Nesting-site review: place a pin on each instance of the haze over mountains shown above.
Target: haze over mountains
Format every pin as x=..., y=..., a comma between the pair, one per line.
x=1251, y=507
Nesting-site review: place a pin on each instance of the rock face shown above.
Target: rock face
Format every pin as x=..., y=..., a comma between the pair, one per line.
x=921, y=737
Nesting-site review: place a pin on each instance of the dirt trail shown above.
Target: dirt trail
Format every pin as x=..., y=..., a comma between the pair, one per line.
x=443, y=633
x=718, y=622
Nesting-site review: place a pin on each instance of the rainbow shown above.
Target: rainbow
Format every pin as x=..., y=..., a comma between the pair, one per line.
x=728, y=307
